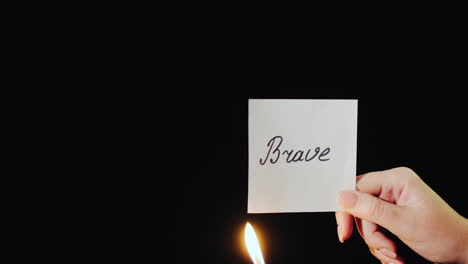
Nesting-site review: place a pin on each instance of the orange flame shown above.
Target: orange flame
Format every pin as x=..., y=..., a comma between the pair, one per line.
x=253, y=246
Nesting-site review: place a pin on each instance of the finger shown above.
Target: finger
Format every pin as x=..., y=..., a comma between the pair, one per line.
x=386, y=184
x=382, y=258
x=372, y=209
x=385, y=259
x=374, y=238
x=345, y=225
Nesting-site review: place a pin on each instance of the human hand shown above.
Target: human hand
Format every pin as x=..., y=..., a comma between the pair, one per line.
x=399, y=201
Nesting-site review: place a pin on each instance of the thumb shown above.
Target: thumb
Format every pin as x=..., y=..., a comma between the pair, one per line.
x=370, y=208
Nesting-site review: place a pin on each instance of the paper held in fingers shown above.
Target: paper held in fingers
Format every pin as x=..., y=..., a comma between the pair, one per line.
x=301, y=154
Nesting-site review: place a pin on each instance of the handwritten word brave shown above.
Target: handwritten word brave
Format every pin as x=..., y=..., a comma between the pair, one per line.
x=275, y=153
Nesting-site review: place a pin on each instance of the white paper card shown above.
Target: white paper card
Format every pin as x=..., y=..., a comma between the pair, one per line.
x=301, y=154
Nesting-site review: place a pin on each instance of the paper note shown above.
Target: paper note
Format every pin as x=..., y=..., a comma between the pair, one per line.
x=301, y=154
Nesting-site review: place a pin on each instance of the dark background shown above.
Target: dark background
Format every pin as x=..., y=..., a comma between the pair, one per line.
x=189, y=72
x=425, y=134
x=406, y=68
x=199, y=65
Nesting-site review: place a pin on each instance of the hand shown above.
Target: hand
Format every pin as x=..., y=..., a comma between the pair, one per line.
x=401, y=202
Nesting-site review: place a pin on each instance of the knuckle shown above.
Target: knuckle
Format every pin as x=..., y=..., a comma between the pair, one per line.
x=406, y=173
x=377, y=210
x=404, y=170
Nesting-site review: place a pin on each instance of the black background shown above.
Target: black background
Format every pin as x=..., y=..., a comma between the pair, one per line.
x=407, y=69
x=199, y=65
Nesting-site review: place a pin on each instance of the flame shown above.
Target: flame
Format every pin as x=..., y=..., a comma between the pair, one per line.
x=253, y=246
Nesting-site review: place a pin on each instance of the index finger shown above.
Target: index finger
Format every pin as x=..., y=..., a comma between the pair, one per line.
x=345, y=224
x=383, y=184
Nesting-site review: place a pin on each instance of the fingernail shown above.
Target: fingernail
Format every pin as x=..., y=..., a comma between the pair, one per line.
x=347, y=199
x=340, y=237
x=388, y=253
